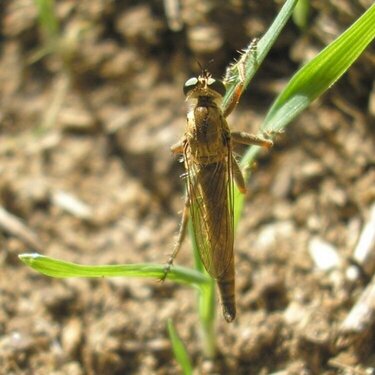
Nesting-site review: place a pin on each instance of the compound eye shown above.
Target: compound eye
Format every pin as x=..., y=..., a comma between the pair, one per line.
x=218, y=86
x=190, y=84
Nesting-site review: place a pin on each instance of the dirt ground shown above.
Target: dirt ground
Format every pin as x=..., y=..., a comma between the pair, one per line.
x=92, y=122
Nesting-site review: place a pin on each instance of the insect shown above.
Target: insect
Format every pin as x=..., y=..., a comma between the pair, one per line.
x=211, y=172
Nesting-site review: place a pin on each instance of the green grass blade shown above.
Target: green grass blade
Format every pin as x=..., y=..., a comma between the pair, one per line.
x=263, y=47
x=251, y=66
x=47, y=18
x=61, y=269
x=322, y=72
x=313, y=79
x=179, y=350
x=206, y=303
x=207, y=313
x=301, y=14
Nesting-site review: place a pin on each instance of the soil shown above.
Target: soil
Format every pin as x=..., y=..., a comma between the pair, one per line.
x=88, y=114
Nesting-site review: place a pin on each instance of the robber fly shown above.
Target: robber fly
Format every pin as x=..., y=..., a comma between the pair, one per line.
x=211, y=172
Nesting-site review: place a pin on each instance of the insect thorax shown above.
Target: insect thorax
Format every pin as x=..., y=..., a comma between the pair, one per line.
x=207, y=132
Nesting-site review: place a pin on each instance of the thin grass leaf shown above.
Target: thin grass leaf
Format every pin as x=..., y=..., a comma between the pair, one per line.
x=263, y=47
x=301, y=14
x=47, y=18
x=180, y=353
x=313, y=80
x=57, y=268
x=322, y=72
x=251, y=66
x=207, y=314
x=206, y=303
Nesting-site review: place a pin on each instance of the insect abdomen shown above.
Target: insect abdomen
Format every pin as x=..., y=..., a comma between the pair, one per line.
x=227, y=296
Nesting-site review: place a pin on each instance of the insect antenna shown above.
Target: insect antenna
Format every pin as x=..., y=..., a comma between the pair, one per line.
x=204, y=71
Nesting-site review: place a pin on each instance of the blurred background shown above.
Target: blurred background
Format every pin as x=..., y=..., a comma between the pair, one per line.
x=90, y=103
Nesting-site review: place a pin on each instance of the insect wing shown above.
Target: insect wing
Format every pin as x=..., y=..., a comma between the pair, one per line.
x=210, y=190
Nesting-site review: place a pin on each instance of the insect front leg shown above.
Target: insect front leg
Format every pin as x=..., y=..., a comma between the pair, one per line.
x=250, y=139
x=178, y=148
x=235, y=100
x=180, y=238
x=240, y=66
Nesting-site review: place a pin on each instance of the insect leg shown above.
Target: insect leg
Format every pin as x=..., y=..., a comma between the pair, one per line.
x=234, y=101
x=178, y=147
x=250, y=139
x=238, y=176
x=180, y=239
x=240, y=66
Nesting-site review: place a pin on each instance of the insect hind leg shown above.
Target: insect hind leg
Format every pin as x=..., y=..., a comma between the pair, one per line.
x=238, y=176
x=180, y=240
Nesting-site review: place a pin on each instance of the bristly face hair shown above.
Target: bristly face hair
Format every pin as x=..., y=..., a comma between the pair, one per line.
x=204, y=86
x=205, y=77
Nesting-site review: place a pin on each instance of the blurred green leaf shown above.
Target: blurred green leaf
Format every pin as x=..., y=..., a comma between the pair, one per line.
x=179, y=350
x=301, y=13
x=47, y=18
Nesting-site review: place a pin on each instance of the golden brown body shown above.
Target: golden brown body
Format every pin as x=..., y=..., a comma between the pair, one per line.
x=207, y=155
x=211, y=172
